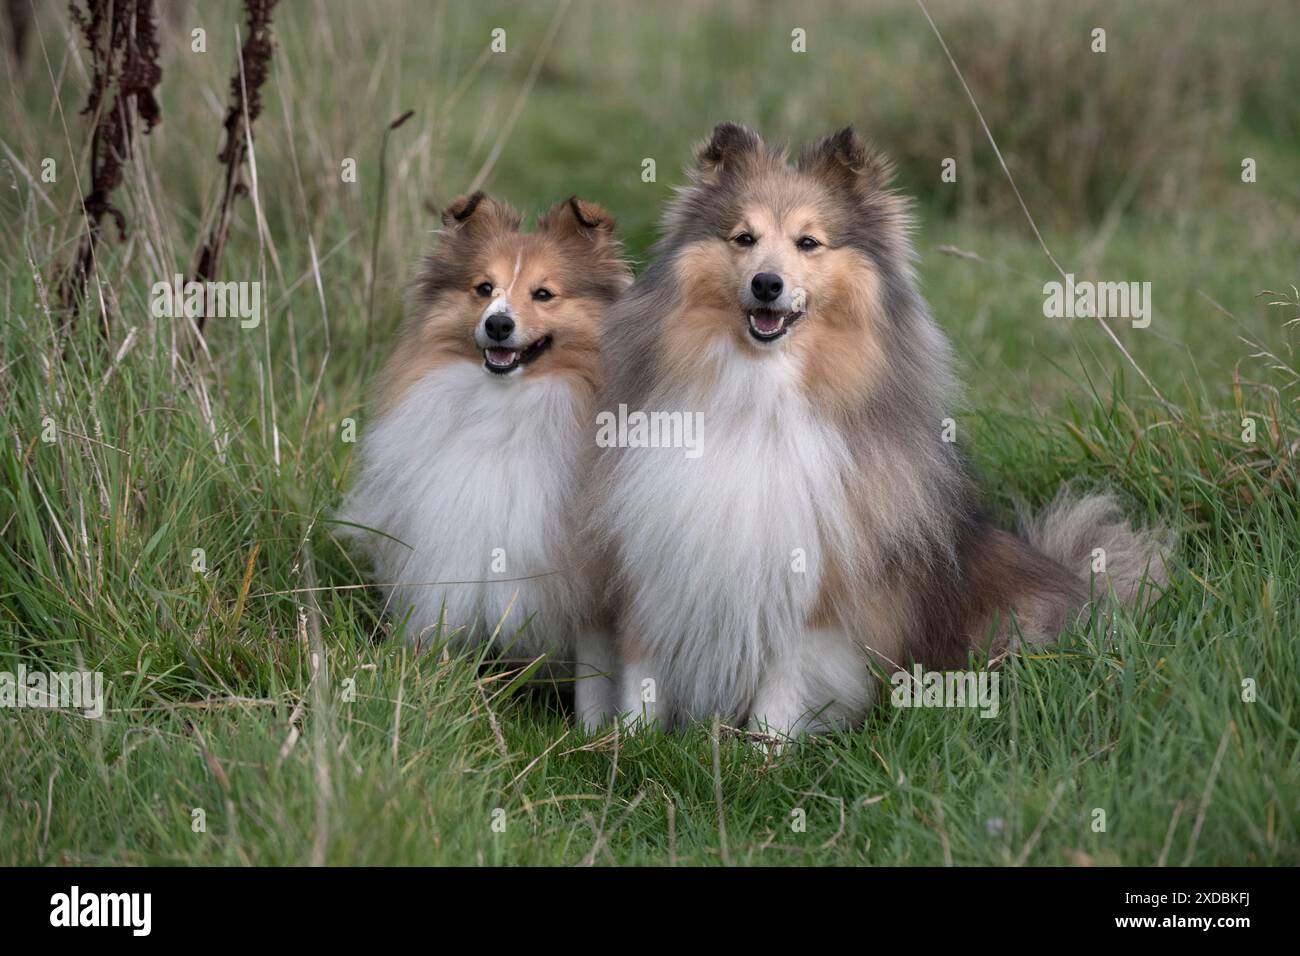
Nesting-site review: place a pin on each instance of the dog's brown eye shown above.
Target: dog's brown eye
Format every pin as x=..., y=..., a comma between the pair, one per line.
x=743, y=239
x=543, y=295
x=807, y=242
x=484, y=289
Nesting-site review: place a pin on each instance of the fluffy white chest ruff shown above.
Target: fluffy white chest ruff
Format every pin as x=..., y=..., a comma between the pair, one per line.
x=473, y=477
x=724, y=553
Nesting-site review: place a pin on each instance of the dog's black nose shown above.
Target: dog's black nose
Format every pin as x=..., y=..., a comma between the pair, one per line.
x=767, y=286
x=499, y=327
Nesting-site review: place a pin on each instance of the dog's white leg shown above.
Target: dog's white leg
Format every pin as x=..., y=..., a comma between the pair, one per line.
x=823, y=683
x=781, y=706
x=595, y=688
x=639, y=695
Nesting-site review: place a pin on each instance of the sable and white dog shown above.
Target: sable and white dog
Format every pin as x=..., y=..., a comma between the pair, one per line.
x=470, y=468
x=827, y=527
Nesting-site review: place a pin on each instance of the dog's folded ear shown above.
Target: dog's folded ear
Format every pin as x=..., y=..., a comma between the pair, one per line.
x=577, y=217
x=588, y=228
x=726, y=151
x=842, y=159
x=478, y=211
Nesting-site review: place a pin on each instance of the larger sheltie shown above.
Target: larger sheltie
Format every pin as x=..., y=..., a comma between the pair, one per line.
x=470, y=469
x=827, y=526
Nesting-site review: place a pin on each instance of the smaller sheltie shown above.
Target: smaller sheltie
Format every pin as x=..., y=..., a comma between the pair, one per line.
x=827, y=530
x=470, y=466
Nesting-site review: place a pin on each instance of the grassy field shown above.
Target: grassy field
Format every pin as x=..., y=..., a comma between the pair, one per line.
x=264, y=696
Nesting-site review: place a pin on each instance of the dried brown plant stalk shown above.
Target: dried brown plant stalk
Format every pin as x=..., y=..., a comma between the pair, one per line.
x=121, y=38
x=245, y=106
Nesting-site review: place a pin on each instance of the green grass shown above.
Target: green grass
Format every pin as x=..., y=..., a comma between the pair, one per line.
x=297, y=721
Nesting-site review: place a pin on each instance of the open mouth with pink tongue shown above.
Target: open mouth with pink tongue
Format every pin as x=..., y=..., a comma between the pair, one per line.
x=504, y=361
x=768, y=325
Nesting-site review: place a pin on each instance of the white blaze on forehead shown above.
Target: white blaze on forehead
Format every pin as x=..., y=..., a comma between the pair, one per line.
x=519, y=261
x=501, y=297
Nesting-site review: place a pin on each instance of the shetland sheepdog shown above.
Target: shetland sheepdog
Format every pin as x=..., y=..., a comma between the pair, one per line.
x=469, y=469
x=827, y=531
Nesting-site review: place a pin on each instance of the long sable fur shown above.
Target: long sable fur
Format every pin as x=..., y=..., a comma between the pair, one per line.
x=965, y=584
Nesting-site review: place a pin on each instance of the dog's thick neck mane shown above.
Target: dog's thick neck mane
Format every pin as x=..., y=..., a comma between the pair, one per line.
x=471, y=479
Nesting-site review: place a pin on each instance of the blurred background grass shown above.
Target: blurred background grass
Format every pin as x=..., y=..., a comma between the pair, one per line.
x=1130, y=162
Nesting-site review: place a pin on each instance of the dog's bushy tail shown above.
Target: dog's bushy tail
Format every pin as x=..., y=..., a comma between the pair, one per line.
x=1136, y=560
